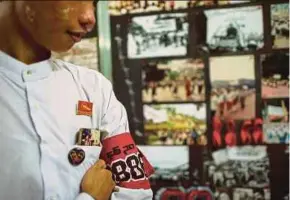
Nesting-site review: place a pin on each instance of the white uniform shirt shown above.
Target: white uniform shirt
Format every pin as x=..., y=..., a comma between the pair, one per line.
x=38, y=125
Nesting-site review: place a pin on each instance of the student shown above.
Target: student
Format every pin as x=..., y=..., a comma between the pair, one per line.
x=46, y=103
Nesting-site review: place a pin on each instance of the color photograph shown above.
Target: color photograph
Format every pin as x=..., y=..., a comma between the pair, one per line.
x=159, y=35
x=233, y=94
x=276, y=133
x=173, y=80
x=275, y=75
x=175, y=124
x=280, y=25
x=275, y=110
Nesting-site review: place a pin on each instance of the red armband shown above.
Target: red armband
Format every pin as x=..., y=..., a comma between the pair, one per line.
x=129, y=166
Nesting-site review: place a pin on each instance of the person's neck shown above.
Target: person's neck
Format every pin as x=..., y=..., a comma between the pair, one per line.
x=15, y=42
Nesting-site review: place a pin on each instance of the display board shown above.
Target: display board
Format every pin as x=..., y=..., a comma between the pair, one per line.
x=206, y=88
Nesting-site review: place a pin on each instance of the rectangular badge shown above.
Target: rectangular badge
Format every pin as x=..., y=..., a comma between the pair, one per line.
x=88, y=137
x=85, y=108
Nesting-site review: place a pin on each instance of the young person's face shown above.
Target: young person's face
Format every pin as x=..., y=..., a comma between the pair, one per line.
x=56, y=25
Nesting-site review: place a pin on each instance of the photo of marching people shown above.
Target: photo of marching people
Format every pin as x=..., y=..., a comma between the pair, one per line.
x=174, y=165
x=159, y=35
x=230, y=29
x=233, y=93
x=173, y=80
x=231, y=133
x=251, y=194
x=175, y=124
x=275, y=111
x=226, y=2
x=244, y=166
x=145, y=6
x=280, y=25
x=276, y=133
x=275, y=75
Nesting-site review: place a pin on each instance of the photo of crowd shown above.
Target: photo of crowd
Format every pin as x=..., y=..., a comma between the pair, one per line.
x=144, y=6
x=244, y=166
x=251, y=194
x=232, y=29
x=173, y=80
x=160, y=35
x=275, y=75
x=84, y=53
x=174, y=166
x=280, y=25
x=175, y=124
x=233, y=87
x=276, y=133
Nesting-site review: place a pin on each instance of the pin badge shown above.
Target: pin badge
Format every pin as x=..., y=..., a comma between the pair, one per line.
x=76, y=156
x=85, y=108
x=89, y=137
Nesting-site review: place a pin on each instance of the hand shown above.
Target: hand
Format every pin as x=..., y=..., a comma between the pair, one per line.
x=98, y=181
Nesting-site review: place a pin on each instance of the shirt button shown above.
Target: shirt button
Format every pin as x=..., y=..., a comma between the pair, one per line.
x=28, y=72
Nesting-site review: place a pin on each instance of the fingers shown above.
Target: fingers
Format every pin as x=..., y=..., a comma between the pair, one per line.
x=100, y=164
x=116, y=189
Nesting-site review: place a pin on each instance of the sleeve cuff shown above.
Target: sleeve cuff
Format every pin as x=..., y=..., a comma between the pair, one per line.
x=84, y=196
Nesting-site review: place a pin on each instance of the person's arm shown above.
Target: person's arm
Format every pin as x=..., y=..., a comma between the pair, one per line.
x=114, y=120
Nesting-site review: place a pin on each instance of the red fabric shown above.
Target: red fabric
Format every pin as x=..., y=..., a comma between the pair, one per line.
x=196, y=194
x=117, y=150
x=245, y=132
x=173, y=193
x=230, y=137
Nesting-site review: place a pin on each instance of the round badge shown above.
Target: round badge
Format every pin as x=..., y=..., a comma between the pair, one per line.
x=76, y=156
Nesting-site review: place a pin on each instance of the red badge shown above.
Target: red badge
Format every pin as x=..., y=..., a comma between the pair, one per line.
x=85, y=108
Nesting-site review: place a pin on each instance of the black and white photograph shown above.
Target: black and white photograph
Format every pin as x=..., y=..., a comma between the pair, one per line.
x=230, y=29
x=251, y=194
x=175, y=124
x=243, y=166
x=169, y=162
x=275, y=75
x=233, y=94
x=276, y=133
x=222, y=194
x=173, y=80
x=159, y=35
x=280, y=25
x=275, y=110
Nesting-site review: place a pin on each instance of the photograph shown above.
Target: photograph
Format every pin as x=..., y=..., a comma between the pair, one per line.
x=233, y=93
x=251, y=194
x=145, y=6
x=175, y=124
x=275, y=75
x=275, y=110
x=276, y=133
x=231, y=133
x=222, y=194
x=174, y=164
x=158, y=35
x=280, y=25
x=173, y=80
x=227, y=2
x=180, y=193
x=243, y=166
x=230, y=29
x=84, y=53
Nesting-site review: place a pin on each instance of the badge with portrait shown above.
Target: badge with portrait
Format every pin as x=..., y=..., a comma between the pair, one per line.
x=89, y=137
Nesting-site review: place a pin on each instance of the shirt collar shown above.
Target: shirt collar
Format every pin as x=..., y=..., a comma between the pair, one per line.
x=38, y=70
